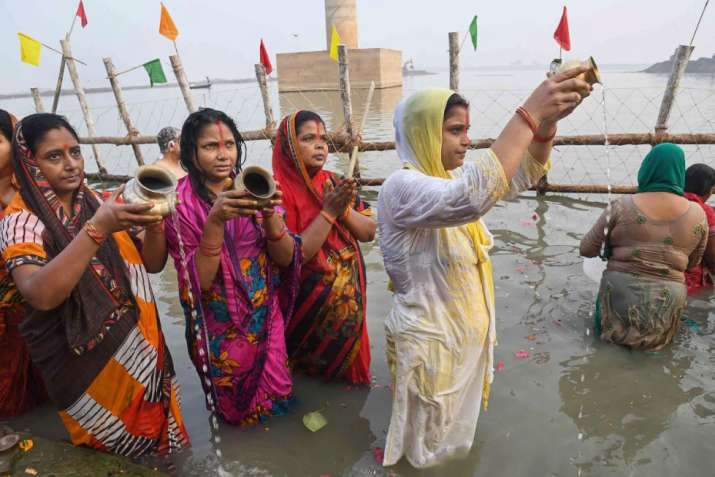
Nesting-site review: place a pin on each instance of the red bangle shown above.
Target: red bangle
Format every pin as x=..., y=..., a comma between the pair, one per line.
x=93, y=233
x=208, y=250
x=543, y=139
x=528, y=118
x=328, y=217
x=279, y=237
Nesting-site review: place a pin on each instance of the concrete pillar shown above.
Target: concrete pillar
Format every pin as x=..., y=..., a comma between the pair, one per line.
x=342, y=14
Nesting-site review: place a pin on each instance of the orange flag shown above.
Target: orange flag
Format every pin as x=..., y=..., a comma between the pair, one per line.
x=166, y=25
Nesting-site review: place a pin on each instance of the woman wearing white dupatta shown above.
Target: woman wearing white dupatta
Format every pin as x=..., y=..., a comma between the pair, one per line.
x=441, y=331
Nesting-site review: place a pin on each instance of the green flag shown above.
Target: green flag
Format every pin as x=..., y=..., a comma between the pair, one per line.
x=156, y=74
x=473, y=32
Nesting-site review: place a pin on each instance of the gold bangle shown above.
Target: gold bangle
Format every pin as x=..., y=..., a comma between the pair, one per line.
x=93, y=233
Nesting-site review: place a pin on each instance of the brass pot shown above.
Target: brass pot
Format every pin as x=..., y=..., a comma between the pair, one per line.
x=258, y=182
x=152, y=184
x=592, y=76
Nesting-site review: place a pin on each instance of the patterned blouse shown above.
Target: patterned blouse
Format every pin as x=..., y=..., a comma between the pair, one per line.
x=662, y=249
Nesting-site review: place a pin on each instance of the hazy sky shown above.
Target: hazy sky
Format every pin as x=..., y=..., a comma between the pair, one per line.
x=220, y=38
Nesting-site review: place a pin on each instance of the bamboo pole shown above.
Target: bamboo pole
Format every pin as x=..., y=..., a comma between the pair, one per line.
x=183, y=82
x=39, y=107
x=454, y=61
x=354, y=165
x=680, y=61
x=344, y=84
x=58, y=88
x=341, y=142
x=267, y=107
x=79, y=90
x=554, y=188
x=122, y=107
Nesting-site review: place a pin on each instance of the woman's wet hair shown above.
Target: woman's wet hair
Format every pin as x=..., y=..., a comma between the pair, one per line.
x=6, y=125
x=301, y=118
x=699, y=179
x=36, y=126
x=190, y=132
x=455, y=101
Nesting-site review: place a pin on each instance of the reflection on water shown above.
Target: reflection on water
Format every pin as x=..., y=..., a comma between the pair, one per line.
x=330, y=108
x=623, y=400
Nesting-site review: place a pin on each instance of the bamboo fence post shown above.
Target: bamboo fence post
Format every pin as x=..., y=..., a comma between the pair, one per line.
x=454, y=61
x=680, y=61
x=344, y=84
x=354, y=165
x=122, y=107
x=267, y=106
x=58, y=88
x=79, y=90
x=183, y=82
x=39, y=107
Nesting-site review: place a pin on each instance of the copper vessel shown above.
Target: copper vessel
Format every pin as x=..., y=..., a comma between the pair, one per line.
x=592, y=76
x=155, y=185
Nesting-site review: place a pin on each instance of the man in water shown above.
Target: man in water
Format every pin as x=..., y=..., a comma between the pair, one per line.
x=169, y=140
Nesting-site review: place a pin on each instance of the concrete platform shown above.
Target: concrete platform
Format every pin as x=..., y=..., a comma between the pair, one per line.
x=316, y=71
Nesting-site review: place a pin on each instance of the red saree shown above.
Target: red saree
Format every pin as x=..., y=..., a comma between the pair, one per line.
x=21, y=387
x=700, y=276
x=327, y=335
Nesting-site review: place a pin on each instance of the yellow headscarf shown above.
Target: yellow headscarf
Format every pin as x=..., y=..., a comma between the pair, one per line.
x=418, y=130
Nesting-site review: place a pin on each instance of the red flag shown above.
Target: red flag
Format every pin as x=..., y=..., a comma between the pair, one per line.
x=265, y=59
x=561, y=35
x=81, y=14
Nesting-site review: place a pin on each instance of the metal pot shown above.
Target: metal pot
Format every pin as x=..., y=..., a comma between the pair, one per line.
x=592, y=76
x=257, y=181
x=152, y=184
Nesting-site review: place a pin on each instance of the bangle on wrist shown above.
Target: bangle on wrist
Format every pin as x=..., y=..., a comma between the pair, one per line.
x=209, y=250
x=528, y=119
x=545, y=139
x=93, y=233
x=328, y=217
x=278, y=237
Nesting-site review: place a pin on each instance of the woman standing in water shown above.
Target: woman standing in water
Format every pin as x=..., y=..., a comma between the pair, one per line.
x=242, y=275
x=699, y=183
x=441, y=329
x=327, y=335
x=653, y=237
x=91, y=325
x=21, y=386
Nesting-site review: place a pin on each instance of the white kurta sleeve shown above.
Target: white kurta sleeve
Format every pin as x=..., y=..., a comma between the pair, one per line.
x=528, y=175
x=419, y=201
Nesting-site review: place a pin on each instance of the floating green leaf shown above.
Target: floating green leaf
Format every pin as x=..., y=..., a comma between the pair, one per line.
x=314, y=421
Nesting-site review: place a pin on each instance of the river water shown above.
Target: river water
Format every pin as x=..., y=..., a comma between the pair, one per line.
x=574, y=406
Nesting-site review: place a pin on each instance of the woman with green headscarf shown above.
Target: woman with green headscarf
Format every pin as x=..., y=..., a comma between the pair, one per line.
x=650, y=239
x=441, y=331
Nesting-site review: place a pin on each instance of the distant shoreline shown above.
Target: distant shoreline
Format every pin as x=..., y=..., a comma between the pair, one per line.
x=107, y=89
x=703, y=65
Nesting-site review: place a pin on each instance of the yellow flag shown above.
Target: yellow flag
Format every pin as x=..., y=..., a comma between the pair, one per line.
x=29, y=49
x=334, y=42
x=166, y=25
